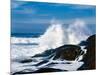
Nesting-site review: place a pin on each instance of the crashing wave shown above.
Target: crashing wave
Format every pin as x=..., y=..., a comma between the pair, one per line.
x=57, y=35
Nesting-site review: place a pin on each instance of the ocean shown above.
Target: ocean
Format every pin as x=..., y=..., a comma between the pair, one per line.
x=25, y=46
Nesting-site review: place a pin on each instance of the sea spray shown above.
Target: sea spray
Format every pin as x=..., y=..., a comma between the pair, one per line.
x=53, y=37
x=77, y=32
x=57, y=35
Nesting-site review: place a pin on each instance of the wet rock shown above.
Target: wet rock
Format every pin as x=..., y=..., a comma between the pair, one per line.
x=67, y=52
x=23, y=60
x=43, y=62
x=45, y=70
x=41, y=70
x=26, y=61
x=90, y=57
x=21, y=73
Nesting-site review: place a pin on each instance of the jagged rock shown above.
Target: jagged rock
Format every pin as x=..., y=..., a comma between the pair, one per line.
x=67, y=52
x=90, y=57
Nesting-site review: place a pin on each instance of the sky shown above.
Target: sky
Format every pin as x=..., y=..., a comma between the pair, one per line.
x=35, y=17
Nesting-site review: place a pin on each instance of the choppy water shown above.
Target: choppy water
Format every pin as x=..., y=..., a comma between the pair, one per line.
x=23, y=48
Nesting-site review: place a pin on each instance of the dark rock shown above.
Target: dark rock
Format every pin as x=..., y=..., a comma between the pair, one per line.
x=45, y=70
x=90, y=57
x=43, y=62
x=67, y=52
x=26, y=61
x=21, y=72
x=83, y=43
x=22, y=60
x=41, y=70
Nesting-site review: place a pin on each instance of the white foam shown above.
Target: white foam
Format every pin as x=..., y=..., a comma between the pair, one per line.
x=69, y=67
x=16, y=40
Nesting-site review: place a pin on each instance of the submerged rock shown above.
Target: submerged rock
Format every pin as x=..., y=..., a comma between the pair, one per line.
x=26, y=61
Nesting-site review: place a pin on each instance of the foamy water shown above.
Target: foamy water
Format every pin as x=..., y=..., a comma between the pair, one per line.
x=55, y=36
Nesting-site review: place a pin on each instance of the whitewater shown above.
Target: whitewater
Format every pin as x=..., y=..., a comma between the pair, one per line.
x=55, y=36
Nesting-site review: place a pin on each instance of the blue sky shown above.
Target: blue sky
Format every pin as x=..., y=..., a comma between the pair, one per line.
x=31, y=17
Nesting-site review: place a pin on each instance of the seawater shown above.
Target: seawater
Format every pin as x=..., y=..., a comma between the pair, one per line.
x=25, y=46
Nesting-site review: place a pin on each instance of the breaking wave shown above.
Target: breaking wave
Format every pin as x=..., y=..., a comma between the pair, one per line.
x=57, y=35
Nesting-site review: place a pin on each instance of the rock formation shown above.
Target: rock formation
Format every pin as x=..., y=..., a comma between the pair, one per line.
x=67, y=52
x=90, y=56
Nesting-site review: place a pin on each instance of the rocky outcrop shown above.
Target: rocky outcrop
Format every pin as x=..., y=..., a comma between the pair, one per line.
x=67, y=52
x=90, y=57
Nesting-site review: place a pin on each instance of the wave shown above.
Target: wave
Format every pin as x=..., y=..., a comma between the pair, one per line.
x=57, y=35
